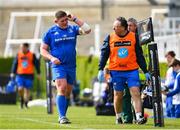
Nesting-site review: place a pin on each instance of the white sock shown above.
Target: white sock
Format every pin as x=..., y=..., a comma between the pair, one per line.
x=138, y=115
x=119, y=115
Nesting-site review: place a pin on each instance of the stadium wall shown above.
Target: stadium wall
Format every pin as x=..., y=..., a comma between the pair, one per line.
x=89, y=11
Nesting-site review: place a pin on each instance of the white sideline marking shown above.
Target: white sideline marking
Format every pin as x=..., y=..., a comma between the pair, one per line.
x=45, y=122
x=71, y=127
x=37, y=121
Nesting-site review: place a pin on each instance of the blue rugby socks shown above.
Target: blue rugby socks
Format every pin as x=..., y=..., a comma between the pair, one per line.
x=61, y=105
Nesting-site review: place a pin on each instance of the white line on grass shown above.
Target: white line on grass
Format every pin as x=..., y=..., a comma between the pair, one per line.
x=37, y=121
x=45, y=122
x=51, y=123
x=71, y=127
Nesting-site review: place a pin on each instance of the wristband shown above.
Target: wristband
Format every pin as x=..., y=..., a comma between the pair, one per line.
x=75, y=19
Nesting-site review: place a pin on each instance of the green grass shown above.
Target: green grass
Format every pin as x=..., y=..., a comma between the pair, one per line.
x=11, y=117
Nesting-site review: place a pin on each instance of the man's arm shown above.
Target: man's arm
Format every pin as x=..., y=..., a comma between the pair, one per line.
x=176, y=86
x=140, y=58
x=45, y=53
x=84, y=27
x=36, y=63
x=105, y=51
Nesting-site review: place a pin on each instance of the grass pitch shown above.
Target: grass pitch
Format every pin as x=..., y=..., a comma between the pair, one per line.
x=11, y=117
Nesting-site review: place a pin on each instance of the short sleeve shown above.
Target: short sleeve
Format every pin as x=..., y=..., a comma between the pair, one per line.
x=46, y=38
x=76, y=29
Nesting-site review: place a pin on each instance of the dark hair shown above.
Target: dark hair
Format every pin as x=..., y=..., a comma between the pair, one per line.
x=26, y=45
x=123, y=22
x=175, y=63
x=171, y=53
x=60, y=14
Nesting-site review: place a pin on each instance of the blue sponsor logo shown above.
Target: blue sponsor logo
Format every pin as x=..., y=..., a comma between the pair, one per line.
x=123, y=52
x=24, y=64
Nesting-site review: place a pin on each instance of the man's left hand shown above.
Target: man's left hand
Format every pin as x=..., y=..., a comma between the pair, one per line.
x=148, y=76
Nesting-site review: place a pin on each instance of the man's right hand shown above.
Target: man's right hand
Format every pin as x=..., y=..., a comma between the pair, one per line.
x=55, y=60
x=101, y=76
x=70, y=16
x=12, y=75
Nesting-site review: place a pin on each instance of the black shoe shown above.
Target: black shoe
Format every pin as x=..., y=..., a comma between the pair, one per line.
x=119, y=121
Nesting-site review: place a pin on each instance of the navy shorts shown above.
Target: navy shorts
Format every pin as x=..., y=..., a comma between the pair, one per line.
x=68, y=74
x=120, y=78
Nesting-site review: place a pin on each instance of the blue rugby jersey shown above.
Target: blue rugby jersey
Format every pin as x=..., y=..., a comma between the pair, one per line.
x=62, y=44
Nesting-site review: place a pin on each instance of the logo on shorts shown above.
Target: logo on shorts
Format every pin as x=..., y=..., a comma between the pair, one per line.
x=123, y=52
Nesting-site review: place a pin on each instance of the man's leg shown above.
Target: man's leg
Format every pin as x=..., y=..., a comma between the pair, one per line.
x=28, y=83
x=26, y=96
x=118, y=95
x=21, y=96
x=135, y=93
x=134, y=84
x=60, y=77
x=127, y=111
x=71, y=76
x=61, y=85
x=118, y=83
x=19, y=81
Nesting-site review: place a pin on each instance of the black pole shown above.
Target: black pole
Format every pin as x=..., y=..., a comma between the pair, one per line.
x=147, y=37
x=156, y=81
x=49, y=88
x=156, y=85
x=151, y=26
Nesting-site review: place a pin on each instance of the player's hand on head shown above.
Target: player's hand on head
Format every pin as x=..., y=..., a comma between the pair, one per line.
x=55, y=60
x=70, y=16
